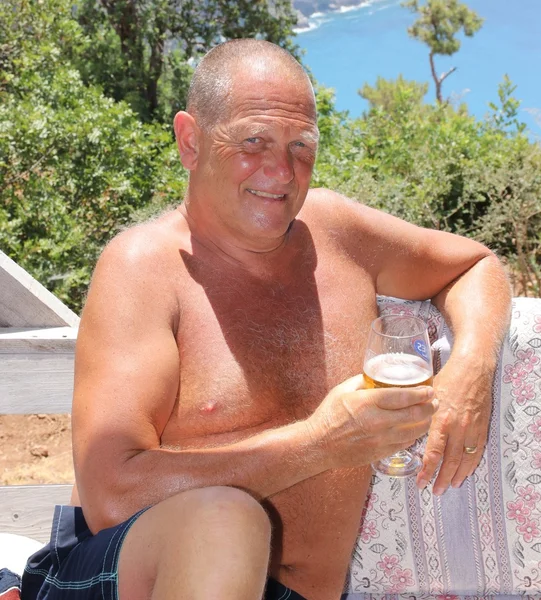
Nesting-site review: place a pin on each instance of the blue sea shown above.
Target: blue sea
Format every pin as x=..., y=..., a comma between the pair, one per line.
x=346, y=49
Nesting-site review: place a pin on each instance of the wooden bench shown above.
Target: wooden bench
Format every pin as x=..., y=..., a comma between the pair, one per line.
x=37, y=343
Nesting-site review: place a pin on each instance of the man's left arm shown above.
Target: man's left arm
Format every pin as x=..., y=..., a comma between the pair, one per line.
x=467, y=283
x=476, y=305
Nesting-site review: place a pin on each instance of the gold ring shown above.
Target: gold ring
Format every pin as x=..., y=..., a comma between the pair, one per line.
x=470, y=449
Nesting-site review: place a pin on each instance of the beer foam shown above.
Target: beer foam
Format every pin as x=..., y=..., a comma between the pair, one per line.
x=398, y=369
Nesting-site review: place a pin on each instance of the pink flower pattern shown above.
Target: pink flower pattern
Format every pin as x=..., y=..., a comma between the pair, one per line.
x=371, y=501
x=400, y=580
x=529, y=529
x=529, y=496
x=388, y=564
x=400, y=310
x=528, y=359
x=536, y=461
x=523, y=393
x=514, y=374
x=369, y=531
x=535, y=428
x=393, y=573
x=518, y=511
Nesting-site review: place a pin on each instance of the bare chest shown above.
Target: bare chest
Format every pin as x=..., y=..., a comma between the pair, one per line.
x=256, y=355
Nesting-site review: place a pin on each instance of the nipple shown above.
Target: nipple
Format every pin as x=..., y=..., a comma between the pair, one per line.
x=208, y=407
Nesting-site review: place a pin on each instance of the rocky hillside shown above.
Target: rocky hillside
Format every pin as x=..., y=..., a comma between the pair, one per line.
x=305, y=8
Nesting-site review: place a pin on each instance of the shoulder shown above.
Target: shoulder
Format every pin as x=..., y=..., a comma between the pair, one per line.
x=334, y=209
x=370, y=237
x=346, y=221
x=322, y=202
x=144, y=246
x=145, y=255
x=136, y=265
x=330, y=209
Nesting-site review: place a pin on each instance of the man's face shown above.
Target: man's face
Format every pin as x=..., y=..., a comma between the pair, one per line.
x=255, y=166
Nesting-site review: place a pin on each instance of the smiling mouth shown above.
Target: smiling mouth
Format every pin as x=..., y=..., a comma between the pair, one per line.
x=267, y=195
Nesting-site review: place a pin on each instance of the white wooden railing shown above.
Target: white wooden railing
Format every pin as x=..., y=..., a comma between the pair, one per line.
x=37, y=343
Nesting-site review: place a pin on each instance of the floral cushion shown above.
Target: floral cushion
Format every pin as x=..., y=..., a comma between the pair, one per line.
x=483, y=539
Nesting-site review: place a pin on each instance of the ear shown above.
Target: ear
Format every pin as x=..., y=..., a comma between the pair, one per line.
x=187, y=135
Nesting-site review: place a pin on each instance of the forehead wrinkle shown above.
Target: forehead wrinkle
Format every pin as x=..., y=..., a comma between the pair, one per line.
x=253, y=106
x=250, y=129
x=274, y=113
x=249, y=105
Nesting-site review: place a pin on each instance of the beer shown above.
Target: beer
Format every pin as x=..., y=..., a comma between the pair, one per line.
x=398, y=356
x=397, y=370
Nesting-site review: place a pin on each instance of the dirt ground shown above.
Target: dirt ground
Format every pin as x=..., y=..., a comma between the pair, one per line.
x=35, y=449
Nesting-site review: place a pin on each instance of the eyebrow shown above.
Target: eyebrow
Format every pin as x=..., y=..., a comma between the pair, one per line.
x=254, y=130
x=310, y=137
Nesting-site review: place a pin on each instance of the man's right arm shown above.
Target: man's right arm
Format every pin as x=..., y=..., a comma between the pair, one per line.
x=126, y=384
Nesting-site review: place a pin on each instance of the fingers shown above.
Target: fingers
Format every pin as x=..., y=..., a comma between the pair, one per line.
x=456, y=463
x=434, y=451
x=351, y=385
x=468, y=464
x=397, y=398
x=452, y=459
x=394, y=410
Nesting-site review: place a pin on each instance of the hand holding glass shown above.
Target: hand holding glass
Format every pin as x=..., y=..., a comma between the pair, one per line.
x=398, y=355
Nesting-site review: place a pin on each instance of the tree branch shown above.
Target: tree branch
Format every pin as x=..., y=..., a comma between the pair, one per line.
x=445, y=75
x=436, y=78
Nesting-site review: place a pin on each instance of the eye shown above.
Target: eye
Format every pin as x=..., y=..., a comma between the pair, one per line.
x=299, y=144
x=253, y=140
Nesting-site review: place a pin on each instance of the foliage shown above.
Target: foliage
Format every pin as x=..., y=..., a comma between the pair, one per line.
x=506, y=116
x=439, y=167
x=339, y=142
x=437, y=26
x=74, y=165
x=140, y=48
x=77, y=165
x=387, y=92
x=512, y=222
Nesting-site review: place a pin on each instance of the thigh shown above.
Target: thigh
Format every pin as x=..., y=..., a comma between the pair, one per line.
x=201, y=539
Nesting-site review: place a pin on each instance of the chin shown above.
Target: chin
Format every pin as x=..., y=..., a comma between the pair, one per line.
x=272, y=225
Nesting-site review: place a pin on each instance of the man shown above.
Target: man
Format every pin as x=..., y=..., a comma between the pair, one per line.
x=217, y=366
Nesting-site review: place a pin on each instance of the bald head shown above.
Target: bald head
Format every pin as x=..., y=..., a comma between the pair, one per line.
x=211, y=88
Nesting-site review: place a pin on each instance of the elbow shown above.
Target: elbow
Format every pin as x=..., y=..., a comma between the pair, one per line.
x=100, y=512
x=103, y=502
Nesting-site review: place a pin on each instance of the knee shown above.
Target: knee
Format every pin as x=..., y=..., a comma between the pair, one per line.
x=223, y=507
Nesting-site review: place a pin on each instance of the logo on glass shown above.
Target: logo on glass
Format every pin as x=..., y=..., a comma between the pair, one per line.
x=420, y=348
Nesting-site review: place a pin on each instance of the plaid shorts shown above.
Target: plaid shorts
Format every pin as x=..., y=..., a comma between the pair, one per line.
x=77, y=565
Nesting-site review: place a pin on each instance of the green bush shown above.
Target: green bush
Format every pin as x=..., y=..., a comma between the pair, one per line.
x=77, y=166
x=74, y=165
x=437, y=166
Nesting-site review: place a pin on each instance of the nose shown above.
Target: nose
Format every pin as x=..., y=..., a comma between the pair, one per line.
x=279, y=166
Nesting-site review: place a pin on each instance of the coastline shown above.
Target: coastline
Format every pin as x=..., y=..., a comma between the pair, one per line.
x=308, y=10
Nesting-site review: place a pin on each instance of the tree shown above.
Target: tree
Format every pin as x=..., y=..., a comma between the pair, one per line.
x=75, y=166
x=386, y=92
x=141, y=48
x=438, y=25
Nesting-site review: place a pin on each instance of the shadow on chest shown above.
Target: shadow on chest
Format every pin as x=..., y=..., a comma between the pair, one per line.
x=267, y=339
x=252, y=348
